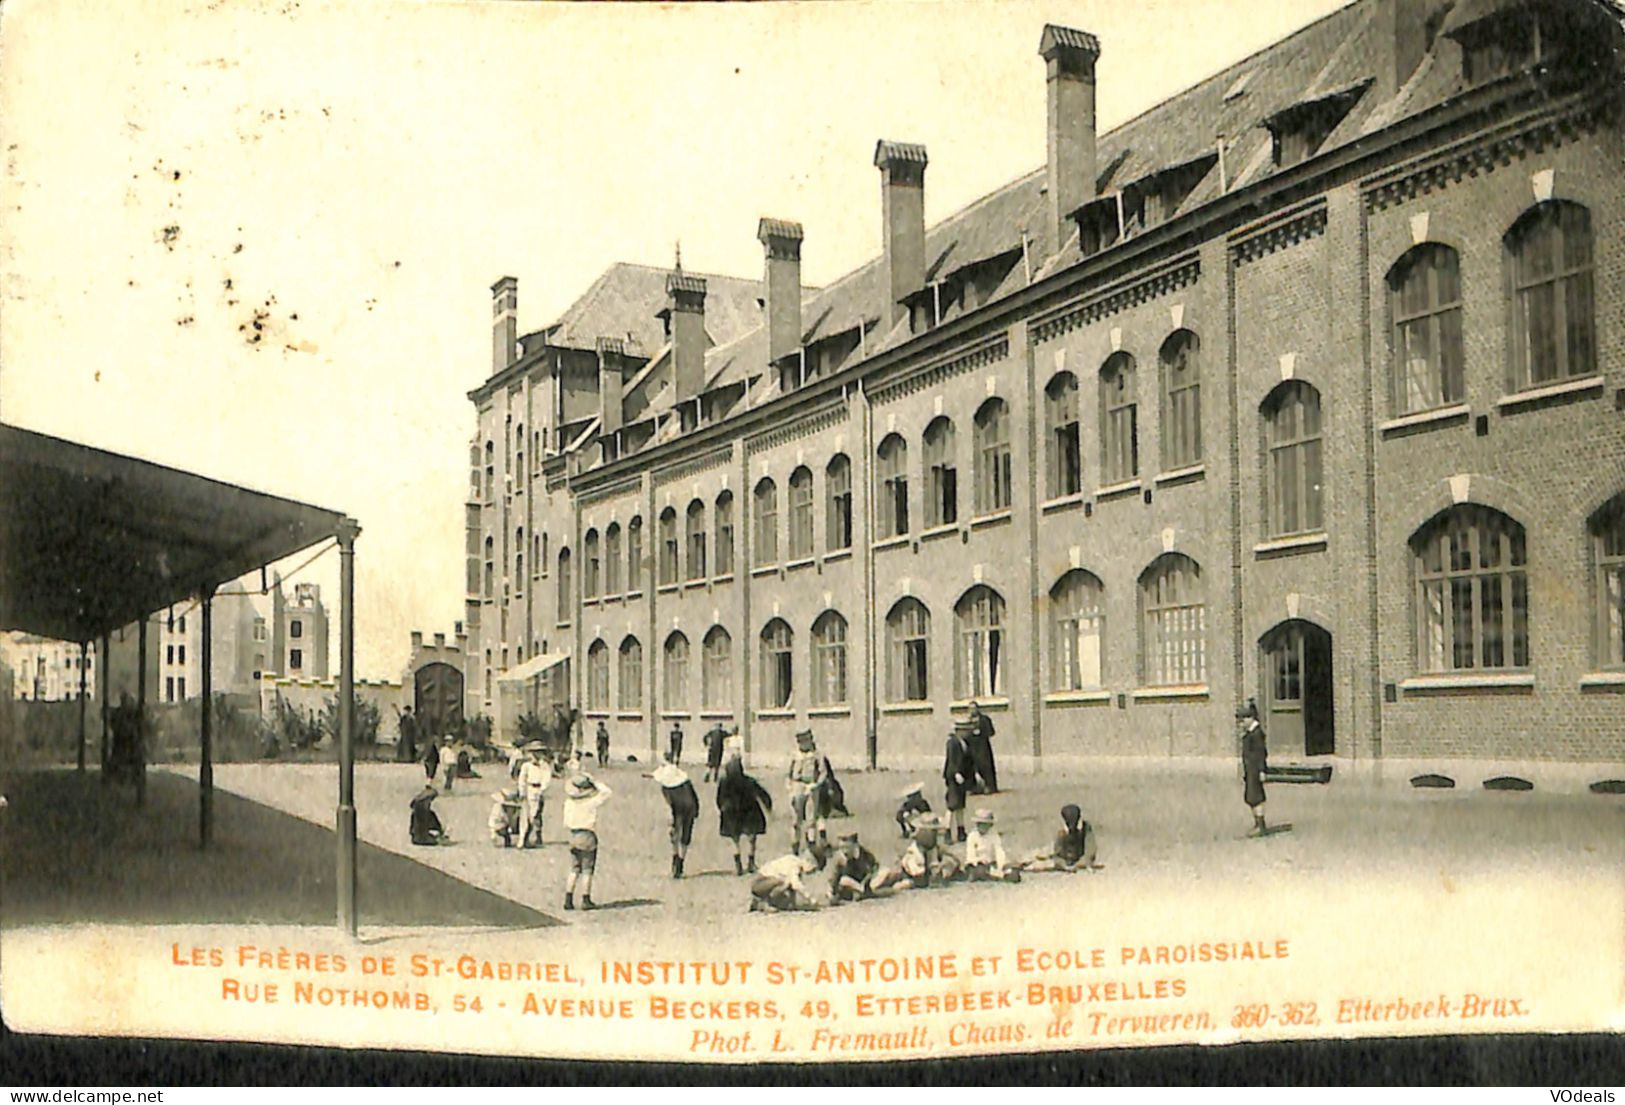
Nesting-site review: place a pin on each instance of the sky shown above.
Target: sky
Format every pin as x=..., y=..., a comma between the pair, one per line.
x=256, y=239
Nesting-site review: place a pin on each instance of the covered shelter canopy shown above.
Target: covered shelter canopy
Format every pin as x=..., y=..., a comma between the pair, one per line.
x=91, y=541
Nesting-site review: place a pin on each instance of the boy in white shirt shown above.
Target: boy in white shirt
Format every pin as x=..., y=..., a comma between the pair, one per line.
x=778, y=885
x=985, y=860
x=535, y=776
x=582, y=798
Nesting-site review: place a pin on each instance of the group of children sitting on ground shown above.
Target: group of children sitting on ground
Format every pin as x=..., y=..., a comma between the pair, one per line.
x=927, y=860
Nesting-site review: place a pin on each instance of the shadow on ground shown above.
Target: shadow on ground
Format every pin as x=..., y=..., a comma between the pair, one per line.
x=77, y=851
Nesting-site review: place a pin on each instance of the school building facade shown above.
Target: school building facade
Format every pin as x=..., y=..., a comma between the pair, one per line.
x=1307, y=385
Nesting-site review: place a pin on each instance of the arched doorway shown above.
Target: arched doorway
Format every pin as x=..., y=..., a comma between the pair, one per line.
x=437, y=698
x=1295, y=670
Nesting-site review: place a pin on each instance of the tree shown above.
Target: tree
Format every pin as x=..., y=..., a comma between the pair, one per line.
x=366, y=719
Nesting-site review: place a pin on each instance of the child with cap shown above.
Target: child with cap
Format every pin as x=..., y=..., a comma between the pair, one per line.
x=504, y=819
x=957, y=772
x=924, y=861
x=985, y=860
x=535, y=776
x=684, y=805
x=1254, y=762
x=855, y=872
x=448, y=763
x=913, y=804
x=425, y=827
x=1074, y=848
x=779, y=886
x=805, y=782
x=582, y=798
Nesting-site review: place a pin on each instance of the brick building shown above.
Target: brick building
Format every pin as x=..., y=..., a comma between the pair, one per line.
x=1306, y=385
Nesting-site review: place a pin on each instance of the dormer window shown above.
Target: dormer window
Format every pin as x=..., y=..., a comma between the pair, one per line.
x=1298, y=131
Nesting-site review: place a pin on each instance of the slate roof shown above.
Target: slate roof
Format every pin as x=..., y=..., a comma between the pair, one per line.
x=626, y=300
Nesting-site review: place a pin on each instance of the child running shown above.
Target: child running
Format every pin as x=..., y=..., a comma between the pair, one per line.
x=582, y=799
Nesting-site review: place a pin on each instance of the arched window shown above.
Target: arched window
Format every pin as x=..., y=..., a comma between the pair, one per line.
x=941, y=474
x=838, y=494
x=1472, y=591
x=634, y=554
x=778, y=669
x=592, y=571
x=1173, y=623
x=1553, y=331
x=668, y=547
x=1181, y=401
x=490, y=471
x=992, y=428
x=767, y=522
x=979, y=646
x=725, y=534
x=1077, y=631
x=1065, y=436
x=1608, y=544
x=801, y=513
x=696, y=540
x=674, y=678
x=717, y=676
x=566, y=598
x=829, y=660
x=631, y=675
x=1292, y=460
x=519, y=558
x=908, y=639
x=1119, y=421
x=598, y=676
x=519, y=454
x=612, y=559
x=490, y=568
x=891, y=475
x=1424, y=301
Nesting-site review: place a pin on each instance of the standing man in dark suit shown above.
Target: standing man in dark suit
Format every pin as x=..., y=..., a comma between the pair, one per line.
x=980, y=742
x=674, y=743
x=1254, y=761
x=957, y=771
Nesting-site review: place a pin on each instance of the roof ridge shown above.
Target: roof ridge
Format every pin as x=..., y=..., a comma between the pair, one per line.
x=687, y=272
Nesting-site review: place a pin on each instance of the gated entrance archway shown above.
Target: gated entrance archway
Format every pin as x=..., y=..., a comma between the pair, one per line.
x=437, y=698
x=1295, y=668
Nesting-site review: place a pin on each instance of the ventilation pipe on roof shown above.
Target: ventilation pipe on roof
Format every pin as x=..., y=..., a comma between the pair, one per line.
x=686, y=294
x=610, y=385
x=781, y=241
x=902, y=218
x=505, y=322
x=1404, y=34
x=1069, y=58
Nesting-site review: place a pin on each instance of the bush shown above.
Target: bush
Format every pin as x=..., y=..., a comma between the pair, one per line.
x=366, y=718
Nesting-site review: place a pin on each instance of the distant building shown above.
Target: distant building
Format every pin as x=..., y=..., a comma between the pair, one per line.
x=298, y=632
x=44, y=670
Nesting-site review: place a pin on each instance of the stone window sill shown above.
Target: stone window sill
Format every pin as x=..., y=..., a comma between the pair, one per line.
x=716, y=715
x=726, y=577
x=947, y=529
x=803, y=562
x=1114, y=490
x=629, y=717
x=769, y=570
x=988, y=704
x=1077, y=698
x=669, y=588
x=1425, y=418
x=675, y=715
x=775, y=715
x=1603, y=679
x=1186, y=690
x=1547, y=391
x=907, y=708
x=595, y=715
x=993, y=518
x=1469, y=681
x=891, y=543
x=830, y=711
x=837, y=555
x=1298, y=542
x=1181, y=475
x=632, y=596
x=1062, y=502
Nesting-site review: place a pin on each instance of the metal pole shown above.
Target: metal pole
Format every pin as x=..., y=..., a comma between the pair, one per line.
x=106, y=685
x=141, y=713
x=347, y=533
x=84, y=647
x=205, y=771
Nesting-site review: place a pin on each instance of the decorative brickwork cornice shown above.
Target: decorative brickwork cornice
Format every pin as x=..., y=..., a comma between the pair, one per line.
x=987, y=351
x=689, y=466
x=804, y=426
x=587, y=497
x=1482, y=153
x=1136, y=290
x=1280, y=231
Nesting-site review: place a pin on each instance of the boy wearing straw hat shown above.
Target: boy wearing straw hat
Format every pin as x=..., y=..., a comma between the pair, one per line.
x=957, y=772
x=504, y=819
x=535, y=776
x=582, y=798
x=985, y=860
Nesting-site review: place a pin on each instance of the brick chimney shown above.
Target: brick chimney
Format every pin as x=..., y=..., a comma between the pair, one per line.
x=610, y=385
x=686, y=295
x=1069, y=58
x=505, y=322
x=902, y=218
x=781, y=240
x=1403, y=25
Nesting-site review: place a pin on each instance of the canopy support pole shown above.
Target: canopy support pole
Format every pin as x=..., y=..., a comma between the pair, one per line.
x=83, y=674
x=106, y=685
x=347, y=533
x=205, y=771
x=141, y=714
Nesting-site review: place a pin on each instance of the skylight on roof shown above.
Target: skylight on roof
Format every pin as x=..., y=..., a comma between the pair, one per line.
x=1239, y=88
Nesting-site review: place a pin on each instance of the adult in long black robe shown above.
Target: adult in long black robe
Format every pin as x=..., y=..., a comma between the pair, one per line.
x=1254, y=761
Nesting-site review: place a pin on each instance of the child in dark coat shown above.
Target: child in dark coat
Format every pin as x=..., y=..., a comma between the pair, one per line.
x=425, y=827
x=744, y=804
x=912, y=806
x=684, y=805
